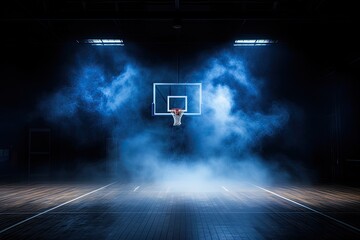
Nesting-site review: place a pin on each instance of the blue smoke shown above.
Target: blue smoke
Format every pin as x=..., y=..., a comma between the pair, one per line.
x=94, y=92
x=232, y=113
x=220, y=144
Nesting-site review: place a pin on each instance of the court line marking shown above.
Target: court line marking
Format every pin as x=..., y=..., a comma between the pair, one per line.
x=225, y=189
x=136, y=188
x=311, y=209
x=53, y=208
x=119, y=212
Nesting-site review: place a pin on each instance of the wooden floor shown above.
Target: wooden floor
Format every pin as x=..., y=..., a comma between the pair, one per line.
x=153, y=211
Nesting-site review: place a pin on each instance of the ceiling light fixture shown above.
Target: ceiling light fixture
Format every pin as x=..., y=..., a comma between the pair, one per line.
x=103, y=42
x=254, y=42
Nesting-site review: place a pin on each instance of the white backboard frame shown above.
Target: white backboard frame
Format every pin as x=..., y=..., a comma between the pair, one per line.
x=155, y=113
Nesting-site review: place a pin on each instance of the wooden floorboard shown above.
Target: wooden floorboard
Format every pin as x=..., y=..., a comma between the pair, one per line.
x=151, y=211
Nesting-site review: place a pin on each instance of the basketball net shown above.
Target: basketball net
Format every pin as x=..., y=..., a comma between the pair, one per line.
x=177, y=114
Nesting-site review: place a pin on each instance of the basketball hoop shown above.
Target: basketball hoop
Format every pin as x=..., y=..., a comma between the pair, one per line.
x=177, y=114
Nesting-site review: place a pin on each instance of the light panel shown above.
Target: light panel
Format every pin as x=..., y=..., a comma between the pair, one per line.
x=103, y=42
x=254, y=42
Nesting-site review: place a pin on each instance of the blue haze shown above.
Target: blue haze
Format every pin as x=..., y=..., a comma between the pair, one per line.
x=112, y=90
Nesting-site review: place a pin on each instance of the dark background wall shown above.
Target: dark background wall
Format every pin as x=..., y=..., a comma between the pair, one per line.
x=317, y=49
x=324, y=135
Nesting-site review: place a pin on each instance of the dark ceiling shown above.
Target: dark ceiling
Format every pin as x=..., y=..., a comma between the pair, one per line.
x=53, y=21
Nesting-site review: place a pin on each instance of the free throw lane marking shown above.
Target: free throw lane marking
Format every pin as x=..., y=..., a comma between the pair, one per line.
x=53, y=208
x=311, y=209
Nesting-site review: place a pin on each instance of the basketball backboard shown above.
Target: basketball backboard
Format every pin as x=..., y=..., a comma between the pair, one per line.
x=167, y=96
